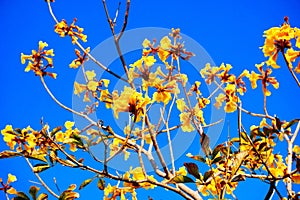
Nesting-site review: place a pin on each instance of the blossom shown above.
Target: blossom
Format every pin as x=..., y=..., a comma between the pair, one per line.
x=37, y=60
x=229, y=97
x=6, y=187
x=181, y=104
x=265, y=78
x=163, y=92
x=74, y=31
x=9, y=136
x=80, y=58
x=185, y=119
x=130, y=101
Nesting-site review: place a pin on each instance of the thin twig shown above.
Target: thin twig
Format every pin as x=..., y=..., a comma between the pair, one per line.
x=117, y=38
x=87, y=53
x=41, y=180
x=290, y=68
x=157, y=149
x=166, y=122
x=290, y=143
x=63, y=106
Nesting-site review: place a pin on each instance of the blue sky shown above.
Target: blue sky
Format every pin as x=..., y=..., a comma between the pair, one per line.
x=230, y=31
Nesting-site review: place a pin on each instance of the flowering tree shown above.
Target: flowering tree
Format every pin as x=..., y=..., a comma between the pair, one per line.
x=252, y=154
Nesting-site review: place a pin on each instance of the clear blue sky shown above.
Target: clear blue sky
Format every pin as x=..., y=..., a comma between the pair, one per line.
x=230, y=31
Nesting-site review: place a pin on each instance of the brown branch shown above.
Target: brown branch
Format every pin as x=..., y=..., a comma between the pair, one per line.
x=88, y=54
x=290, y=68
x=117, y=38
x=157, y=149
x=41, y=180
x=125, y=20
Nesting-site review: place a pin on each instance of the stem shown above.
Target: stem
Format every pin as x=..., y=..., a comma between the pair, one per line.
x=290, y=68
x=290, y=156
x=41, y=180
x=88, y=54
x=157, y=149
x=63, y=106
x=117, y=38
x=166, y=122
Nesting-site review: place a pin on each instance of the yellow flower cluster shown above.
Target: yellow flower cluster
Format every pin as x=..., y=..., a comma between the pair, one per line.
x=277, y=40
x=94, y=87
x=74, y=31
x=37, y=59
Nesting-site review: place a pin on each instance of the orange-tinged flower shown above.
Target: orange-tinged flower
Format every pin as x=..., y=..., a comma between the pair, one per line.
x=80, y=58
x=37, y=60
x=219, y=100
x=73, y=31
x=265, y=78
x=163, y=92
x=130, y=101
x=11, y=178
x=296, y=178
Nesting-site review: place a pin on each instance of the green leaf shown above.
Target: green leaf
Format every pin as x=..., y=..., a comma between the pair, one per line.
x=33, y=192
x=216, y=151
x=192, y=169
x=238, y=160
x=217, y=159
x=85, y=183
x=238, y=178
x=204, y=141
x=196, y=157
x=245, y=136
x=43, y=196
x=101, y=184
x=182, y=179
x=278, y=123
x=9, y=154
x=40, y=167
x=77, y=140
x=40, y=157
x=262, y=146
x=21, y=196
x=55, y=130
x=207, y=175
x=291, y=123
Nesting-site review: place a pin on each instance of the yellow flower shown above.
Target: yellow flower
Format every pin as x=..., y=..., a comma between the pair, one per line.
x=9, y=136
x=79, y=88
x=69, y=125
x=92, y=85
x=253, y=79
x=39, y=61
x=296, y=149
x=165, y=42
x=80, y=58
x=11, y=178
x=146, y=43
x=180, y=104
x=130, y=101
x=163, y=93
x=185, y=119
x=181, y=171
x=219, y=100
x=74, y=31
